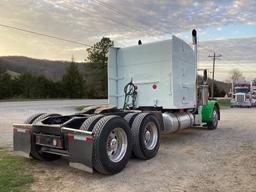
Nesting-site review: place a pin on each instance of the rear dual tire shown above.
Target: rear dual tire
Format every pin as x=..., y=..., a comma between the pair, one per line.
x=112, y=144
x=145, y=133
x=130, y=118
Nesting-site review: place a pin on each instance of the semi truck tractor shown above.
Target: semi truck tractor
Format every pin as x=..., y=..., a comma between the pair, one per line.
x=152, y=90
x=243, y=94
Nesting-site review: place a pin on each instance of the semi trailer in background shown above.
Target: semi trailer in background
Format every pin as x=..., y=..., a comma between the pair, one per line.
x=243, y=94
x=152, y=90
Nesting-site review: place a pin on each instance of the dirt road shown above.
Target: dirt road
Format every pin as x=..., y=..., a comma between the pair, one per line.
x=193, y=160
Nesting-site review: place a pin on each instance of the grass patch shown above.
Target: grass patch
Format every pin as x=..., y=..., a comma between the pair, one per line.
x=224, y=103
x=15, y=174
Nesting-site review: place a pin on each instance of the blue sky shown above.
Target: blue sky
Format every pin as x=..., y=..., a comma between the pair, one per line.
x=227, y=27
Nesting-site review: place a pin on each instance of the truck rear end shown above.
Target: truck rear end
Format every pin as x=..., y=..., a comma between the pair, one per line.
x=54, y=136
x=152, y=90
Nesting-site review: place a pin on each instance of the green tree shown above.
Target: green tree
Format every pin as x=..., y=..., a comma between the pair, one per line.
x=97, y=57
x=29, y=86
x=97, y=54
x=222, y=93
x=5, y=84
x=216, y=90
x=72, y=82
x=44, y=88
x=25, y=84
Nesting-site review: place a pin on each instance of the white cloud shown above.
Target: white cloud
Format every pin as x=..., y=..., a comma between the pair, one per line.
x=236, y=53
x=124, y=21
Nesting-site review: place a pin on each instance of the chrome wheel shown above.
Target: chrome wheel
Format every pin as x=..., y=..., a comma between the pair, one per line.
x=150, y=135
x=116, y=144
x=215, y=118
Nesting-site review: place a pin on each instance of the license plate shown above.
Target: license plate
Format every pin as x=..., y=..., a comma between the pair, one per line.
x=49, y=140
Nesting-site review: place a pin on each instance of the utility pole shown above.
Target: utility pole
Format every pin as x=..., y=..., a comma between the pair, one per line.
x=214, y=57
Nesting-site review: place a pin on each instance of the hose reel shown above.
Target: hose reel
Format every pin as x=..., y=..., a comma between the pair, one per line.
x=130, y=93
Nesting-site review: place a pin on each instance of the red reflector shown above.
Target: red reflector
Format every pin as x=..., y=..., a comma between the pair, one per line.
x=89, y=139
x=59, y=143
x=26, y=130
x=70, y=137
x=135, y=87
x=154, y=86
x=181, y=110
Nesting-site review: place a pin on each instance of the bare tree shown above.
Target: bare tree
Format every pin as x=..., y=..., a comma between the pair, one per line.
x=236, y=75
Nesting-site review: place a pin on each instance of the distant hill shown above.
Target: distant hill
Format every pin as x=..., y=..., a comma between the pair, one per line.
x=55, y=69
x=51, y=69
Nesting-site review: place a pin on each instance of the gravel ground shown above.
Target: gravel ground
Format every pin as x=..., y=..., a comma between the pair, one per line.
x=193, y=160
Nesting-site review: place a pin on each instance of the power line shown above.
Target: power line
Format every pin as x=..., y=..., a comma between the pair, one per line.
x=109, y=7
x=113, y=9
x=45, y=35
x=121, y=13
x=108, y=18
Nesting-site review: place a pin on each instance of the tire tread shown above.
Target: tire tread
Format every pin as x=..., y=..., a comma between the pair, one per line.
x=90, y=122
x=135, y=135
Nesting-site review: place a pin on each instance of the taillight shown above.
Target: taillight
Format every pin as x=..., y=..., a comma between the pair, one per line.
x=89, y=139
x=58, y=142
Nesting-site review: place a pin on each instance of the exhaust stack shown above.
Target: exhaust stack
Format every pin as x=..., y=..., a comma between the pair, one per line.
x=194, y=42
x=194, y=37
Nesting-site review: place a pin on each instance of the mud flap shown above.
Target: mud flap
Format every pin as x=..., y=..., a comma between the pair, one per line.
x=22, y=139
x=80, y=146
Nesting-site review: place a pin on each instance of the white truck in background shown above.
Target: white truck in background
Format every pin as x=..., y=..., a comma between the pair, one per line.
x=243, y=94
